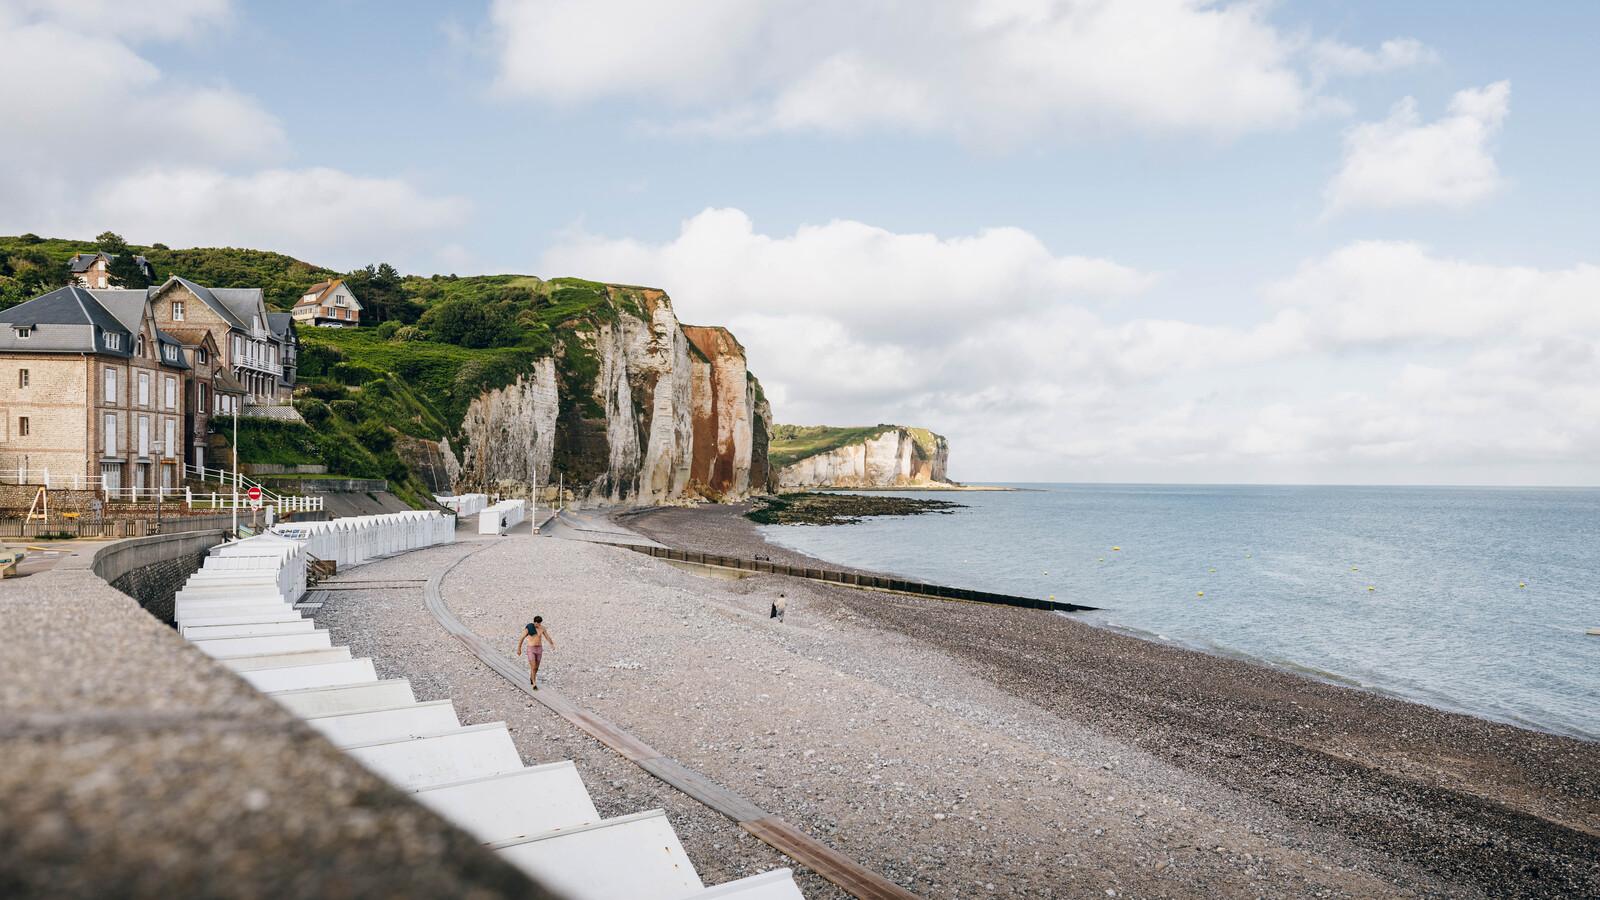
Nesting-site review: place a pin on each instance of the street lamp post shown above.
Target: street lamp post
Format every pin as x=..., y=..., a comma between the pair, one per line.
x=235, y=467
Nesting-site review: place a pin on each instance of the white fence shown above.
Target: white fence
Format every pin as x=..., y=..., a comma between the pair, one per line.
x=354, y=540
x=502, y=517
x=223, y=499
x=464, y=504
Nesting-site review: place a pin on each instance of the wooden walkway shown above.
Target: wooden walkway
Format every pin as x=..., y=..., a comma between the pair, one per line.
x=857, y=880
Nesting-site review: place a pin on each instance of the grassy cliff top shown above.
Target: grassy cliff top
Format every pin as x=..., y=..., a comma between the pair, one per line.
x=791, y=443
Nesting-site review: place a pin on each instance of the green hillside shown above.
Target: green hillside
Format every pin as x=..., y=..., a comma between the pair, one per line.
x=428, y=346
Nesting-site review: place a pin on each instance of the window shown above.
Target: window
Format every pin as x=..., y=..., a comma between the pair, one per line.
x=200, y=397
x=144, y=435
x=24, y=332
x=170, y=436
x=22, y=378
x=110, y=385
x=109, y=432
x=22, y=426
x=138, y=349
x=177, y=311
x=200, y=355
x=113, y=342
x=171, y=397
x=144, y=388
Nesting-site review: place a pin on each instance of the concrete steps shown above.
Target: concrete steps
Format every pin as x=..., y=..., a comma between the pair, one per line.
x=323, y=675
x=637, y=857
x=264, y=643
x=210, y=632
x=332, y=700
x=528, y=802
x=366, y=726
x=539, y=818
x=297, y=659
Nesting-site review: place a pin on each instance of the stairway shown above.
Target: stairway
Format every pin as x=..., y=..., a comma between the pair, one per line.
x=239, y=609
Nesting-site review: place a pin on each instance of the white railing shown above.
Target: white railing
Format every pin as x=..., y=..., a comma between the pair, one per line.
x=260, y=365
x=231, y=500
x=284, y=503
x=237, y=483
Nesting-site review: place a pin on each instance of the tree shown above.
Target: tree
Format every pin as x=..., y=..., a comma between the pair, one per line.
x=124, y=271
x=110, y=242
x=381, y=290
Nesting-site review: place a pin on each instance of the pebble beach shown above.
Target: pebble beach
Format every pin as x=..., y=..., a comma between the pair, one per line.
x=971, y=751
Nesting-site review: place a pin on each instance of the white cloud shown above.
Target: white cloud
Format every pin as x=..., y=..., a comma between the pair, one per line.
x=1335, y=58
x=305, y=212
x=96, y=137
x=987, y=71
x=1377, y=362
x=1404, y=162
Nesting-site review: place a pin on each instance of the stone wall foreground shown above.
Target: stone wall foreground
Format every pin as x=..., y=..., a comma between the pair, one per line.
x=136, y=766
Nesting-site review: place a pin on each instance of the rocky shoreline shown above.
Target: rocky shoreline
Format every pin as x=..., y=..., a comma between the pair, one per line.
x=1430, y=802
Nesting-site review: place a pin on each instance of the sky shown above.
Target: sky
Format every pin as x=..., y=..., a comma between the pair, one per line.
x=1147, y=241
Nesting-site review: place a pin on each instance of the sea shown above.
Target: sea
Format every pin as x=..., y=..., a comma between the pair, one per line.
x=1474, y=600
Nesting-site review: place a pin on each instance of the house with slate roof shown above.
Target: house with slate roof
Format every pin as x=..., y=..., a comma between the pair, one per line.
x=329, y=304
x=258, y=355
x=93, y=388
x=93, y=270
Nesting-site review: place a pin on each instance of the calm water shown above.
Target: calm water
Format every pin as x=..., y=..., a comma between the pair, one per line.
x=1286, y=572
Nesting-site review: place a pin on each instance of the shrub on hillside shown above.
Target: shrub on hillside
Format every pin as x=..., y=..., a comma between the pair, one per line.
x=387, y=329
x=315, y=411
x=469, y=324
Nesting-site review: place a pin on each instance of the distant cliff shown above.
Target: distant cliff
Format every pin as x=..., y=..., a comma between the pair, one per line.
x=821, y=456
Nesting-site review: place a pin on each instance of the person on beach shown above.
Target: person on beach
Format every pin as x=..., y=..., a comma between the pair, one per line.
x=778, y=607
x=531, y=647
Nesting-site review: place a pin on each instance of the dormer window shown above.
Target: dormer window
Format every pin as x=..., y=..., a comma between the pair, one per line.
x=24, y=332
x=113, y=341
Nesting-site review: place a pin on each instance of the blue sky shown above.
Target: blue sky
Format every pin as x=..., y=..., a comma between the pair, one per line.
x=1177, y=241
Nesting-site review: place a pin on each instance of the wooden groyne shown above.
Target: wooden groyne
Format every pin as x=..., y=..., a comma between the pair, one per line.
x=854, y=579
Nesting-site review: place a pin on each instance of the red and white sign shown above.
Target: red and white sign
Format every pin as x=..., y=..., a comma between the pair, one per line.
x=255, y=496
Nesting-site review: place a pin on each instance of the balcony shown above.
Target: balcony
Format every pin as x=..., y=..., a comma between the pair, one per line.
x=259, y=365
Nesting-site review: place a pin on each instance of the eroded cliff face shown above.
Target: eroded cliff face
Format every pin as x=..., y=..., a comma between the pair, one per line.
x=724, y=413
x=636, y=410
x=897, y=457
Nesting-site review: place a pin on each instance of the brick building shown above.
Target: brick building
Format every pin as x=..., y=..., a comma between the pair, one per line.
x=120, y=385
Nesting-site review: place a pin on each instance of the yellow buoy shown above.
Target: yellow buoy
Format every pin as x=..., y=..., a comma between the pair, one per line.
x=1052, y=596
x=1116, y=548
x=1354, y=569
x=1522, y=584
x=1213, y=570
x=1371, y=588
x=1199, y=593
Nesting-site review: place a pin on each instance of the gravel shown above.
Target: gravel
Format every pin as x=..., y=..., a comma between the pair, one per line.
x=895, y=751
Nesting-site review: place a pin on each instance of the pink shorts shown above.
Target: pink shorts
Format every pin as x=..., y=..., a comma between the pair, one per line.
x=534, y=651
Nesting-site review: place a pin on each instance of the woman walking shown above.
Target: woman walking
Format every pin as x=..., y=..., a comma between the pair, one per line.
x=531, y=647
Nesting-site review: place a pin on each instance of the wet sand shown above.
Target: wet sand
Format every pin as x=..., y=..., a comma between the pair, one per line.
x=1429, y=801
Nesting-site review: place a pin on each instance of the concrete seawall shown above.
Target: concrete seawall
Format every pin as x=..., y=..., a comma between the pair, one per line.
x=137, y=766
x=151, y=569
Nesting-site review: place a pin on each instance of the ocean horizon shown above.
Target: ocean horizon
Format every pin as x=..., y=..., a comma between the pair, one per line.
x=1470, y=599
